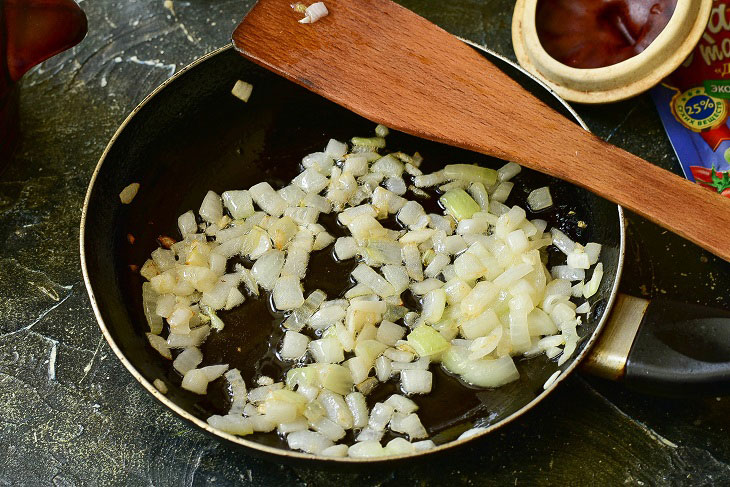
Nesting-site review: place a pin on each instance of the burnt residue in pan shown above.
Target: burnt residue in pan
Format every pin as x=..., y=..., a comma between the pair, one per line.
x=211, y=140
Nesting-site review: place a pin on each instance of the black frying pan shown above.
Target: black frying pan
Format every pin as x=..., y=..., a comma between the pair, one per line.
x=192, y=135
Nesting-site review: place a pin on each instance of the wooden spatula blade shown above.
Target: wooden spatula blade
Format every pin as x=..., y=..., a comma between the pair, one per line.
x=354, y=59
x=393, y=67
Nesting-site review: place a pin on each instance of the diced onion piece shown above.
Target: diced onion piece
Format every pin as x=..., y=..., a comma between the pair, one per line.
x=410, y=213
x=459, y=204
x=383, y=368
x=402, y=404
x=416, y=381
x=335, y=148
x=366, y=449
x=567, y=273
x=412, y=260
x=308, y=441
x=327, y=350
x=346, y=248
x=186, y=223
x=160, y=386
x=427, y=180
x=211, y=209
x=508, y=171
x=578, y=260
x=539, y=199
x=288, y=293
x=468, y=267
x=238, y=391
x=242, y=90
x=591, y=287
x=358, y=408
x=483, y=346
x=371, y=143
x=410, y=424
x=159, y=344
x=389, y=333
x=232, y=424
x=397, y=276
x=188, y=359
x=294, y=345
x=471, y=173
x=480, y=296
x=149, y=305
x=593, y=250
x=367, y=276
x=313, y=13
x=195, y=381
x=311, y=181
x=335, y=377
x=434, y=303
x=128, y=193
x=427, y=341
x=399, y=446
x=491, y=373
x=267, y=199
x=562, y=241
x=380, y=416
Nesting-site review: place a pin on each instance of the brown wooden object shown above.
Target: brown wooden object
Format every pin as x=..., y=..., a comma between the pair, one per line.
x=394, y=67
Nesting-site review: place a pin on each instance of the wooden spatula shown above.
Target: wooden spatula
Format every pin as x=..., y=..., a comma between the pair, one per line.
x=393, y=67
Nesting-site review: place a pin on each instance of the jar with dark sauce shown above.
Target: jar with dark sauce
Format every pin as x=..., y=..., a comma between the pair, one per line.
x=598, y=33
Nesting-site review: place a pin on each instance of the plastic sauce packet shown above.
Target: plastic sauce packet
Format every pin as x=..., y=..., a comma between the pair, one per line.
x=694, y=104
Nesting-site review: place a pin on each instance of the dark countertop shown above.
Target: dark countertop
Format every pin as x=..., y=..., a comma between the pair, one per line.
x=70, y=414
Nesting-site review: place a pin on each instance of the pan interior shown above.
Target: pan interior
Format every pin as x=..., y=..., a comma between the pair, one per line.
x=194, y=136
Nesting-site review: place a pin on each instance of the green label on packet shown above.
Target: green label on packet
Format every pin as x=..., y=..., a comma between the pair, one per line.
x=717, y=88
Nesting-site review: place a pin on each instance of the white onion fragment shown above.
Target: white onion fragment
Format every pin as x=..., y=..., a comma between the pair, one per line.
x=477, y=270
x=242, y=90
x=128, y=193
x=314, y=12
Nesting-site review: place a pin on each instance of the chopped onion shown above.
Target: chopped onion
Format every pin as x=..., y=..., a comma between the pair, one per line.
x=188, y=359
x=539, y=199
x=294, y=345
x=288, y=293
x=313, y=13
x=416, y=381
x=508, y=171
x=459, y=204
x=591, y=287
x=410, y=424
x=562, y=242
x=477, y=267
x=128, y=193
x=367, y=276
x=593, y=251
x=242, y=90
x=159, y=344
x=237, y=388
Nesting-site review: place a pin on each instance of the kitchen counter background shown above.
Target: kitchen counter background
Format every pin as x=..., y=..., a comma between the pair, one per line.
x=70, y=414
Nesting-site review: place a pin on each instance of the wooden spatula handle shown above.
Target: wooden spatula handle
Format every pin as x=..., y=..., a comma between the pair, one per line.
x=686, y=208
x=393, y=67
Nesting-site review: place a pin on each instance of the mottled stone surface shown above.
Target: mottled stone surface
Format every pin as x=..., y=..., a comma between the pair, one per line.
x=70, y=414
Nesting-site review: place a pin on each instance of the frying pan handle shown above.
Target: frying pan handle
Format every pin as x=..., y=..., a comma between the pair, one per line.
x=665, y=347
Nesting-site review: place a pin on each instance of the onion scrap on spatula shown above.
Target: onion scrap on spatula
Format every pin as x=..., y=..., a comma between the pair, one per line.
x=477, y=268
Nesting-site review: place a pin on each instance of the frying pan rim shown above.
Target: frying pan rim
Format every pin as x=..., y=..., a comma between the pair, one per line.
x=241, y=441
